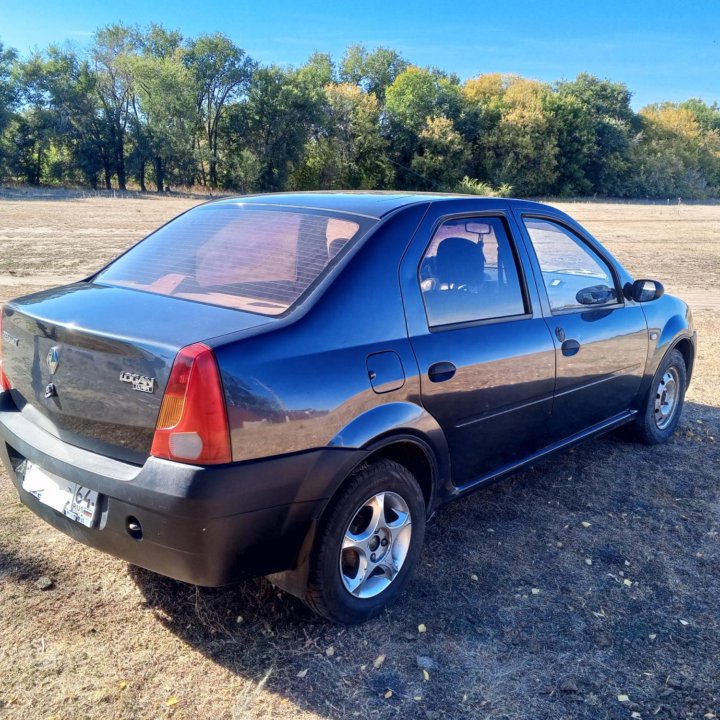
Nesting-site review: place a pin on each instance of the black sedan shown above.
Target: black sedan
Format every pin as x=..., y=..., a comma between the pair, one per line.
x=293, y=384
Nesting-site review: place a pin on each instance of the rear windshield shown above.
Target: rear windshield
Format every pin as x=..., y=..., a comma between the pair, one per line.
x=247, y=257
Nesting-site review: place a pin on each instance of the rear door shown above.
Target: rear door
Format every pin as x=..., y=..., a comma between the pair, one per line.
x=600, y=338
x=486, y=357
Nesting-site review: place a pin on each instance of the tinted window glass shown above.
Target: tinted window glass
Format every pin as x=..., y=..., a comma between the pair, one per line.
x=260, y=260
x=572, y=271
x=469, y=272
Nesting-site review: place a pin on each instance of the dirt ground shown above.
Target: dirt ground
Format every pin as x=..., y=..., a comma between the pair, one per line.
x=584, y=587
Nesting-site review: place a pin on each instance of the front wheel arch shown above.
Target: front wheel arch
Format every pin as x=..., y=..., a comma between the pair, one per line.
x=646, y=429
x=685, y=347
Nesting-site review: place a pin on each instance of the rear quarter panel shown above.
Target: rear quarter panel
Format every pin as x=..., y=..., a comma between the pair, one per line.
x=305, y=385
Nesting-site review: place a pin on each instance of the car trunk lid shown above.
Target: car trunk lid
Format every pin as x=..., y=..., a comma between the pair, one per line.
x=89, y=363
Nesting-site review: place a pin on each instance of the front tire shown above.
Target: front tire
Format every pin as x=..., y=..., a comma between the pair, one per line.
x=370, y=540
x=660, y=413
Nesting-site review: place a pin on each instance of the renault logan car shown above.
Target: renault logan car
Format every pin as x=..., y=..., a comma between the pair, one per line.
x=291, y=385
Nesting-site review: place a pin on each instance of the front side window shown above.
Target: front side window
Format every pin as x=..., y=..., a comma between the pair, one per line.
x=247, y=257
x=574, y=275
x=470, y=272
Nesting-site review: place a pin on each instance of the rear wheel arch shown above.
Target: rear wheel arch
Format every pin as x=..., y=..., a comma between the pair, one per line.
x=405, y=433
x=415, y=455
x=411, y=451
x=405, y=448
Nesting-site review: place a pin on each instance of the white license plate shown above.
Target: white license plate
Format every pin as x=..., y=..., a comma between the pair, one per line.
x=69, y=498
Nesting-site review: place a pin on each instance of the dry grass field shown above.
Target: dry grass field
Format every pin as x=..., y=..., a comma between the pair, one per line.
x=587, y=586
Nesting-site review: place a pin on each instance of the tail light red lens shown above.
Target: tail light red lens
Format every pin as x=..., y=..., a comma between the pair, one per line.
x=192, y=426
x=4, y=382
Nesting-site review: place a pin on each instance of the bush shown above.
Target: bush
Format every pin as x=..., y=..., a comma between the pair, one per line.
x=471, y=186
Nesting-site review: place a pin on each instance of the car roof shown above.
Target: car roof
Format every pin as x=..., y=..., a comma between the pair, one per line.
x=373, y=204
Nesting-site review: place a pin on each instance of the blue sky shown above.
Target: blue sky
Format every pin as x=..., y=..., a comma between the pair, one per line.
x=661, y=50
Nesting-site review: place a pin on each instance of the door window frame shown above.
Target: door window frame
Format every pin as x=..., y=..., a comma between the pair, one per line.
x=594, y=248
x=521, y=272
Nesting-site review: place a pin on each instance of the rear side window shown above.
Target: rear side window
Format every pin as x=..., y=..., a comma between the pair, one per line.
x=470, y=272
x=255, y=259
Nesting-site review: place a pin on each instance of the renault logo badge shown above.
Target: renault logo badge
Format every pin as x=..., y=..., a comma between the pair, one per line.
x=53, y=359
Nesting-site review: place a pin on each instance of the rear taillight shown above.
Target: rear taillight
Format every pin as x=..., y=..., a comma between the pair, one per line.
x=4, y=382
x=192, y=425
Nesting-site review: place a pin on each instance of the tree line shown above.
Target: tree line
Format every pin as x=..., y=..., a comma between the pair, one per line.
x=151, y=109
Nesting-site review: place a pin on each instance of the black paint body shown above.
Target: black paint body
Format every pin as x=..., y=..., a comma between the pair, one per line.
x=313, y=393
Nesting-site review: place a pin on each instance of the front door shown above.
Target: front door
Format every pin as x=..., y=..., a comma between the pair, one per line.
x=486, y=356
x=600, y=338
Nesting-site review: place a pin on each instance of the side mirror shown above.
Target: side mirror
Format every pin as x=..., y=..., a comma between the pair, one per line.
x=595, y=295
x=644, y=290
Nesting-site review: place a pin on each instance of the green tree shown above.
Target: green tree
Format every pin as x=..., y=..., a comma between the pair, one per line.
x=526, y=146
x=516, y=143
x=275, y=122
x=481, y=112
x=65, y=88
x=160, y=42
x=442, y=154
x=575, y=138
x=675, y=157
x=708, y=119
x=152, y=106
x=111, y=54
x=8, y=92
x=420, y=93
x=28, y=135
x=318, y=71
x=607, y=131
x=221, y=72
x=350, y=151
x=416, y=95
x=373, y=71
x=165, y=114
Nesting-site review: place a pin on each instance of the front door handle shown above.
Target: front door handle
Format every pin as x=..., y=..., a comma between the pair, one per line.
x=441, y=371
x=570, y=348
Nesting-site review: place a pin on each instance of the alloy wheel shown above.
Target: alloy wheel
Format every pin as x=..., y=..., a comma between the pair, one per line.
x=375, y=544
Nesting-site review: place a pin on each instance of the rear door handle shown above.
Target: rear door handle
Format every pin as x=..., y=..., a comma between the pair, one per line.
x=570, y=347
x=441, y=371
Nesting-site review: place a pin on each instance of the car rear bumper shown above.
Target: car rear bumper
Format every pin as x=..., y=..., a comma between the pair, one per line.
x=203, y=525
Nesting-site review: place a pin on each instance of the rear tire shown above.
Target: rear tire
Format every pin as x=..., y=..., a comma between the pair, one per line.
x=369, y=541
x=660, y=412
